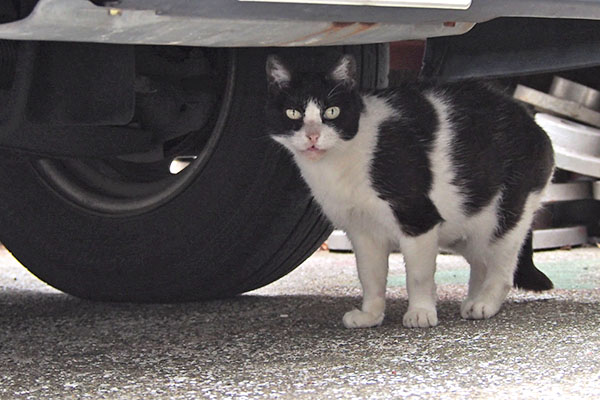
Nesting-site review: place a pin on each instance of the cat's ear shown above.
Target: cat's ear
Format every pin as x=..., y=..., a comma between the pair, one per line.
x=278, y=75
x=344, y=71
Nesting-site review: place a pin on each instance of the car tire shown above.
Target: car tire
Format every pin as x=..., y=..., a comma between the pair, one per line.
x=244, y=220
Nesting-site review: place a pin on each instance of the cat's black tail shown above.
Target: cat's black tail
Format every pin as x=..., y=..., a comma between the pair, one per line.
x=527, y=276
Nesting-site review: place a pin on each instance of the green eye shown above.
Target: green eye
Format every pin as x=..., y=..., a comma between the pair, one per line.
x=332, y=113
x=293, y=114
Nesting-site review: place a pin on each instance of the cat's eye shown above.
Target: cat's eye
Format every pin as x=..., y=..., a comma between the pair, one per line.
x=332, y=113
x=293, y=114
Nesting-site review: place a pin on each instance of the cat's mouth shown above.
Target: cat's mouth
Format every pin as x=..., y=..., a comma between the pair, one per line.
x=313, y=153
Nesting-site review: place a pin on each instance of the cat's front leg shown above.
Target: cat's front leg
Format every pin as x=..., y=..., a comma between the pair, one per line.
x=420, y=253
x=372, y=265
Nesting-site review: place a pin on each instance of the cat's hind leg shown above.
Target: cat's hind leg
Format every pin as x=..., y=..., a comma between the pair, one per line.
x=420, y=255
x=372, y=265
x=493, y=266
x=491, y=280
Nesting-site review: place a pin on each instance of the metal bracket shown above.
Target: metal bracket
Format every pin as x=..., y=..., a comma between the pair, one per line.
x=17, y=132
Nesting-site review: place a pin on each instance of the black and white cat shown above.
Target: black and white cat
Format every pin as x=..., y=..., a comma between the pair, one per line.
x=456, y=166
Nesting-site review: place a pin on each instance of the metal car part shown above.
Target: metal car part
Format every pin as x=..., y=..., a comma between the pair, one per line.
x=515, y=46
x=479, y=11
x=17, y=132
x=546, y=102
x=444, y=4
x=77, y=20
x=71, y=99
x=573, y=91
x=88, y=185
x=559, y=237
x=576, y=146
x=82, y=84
x=572, y=135
x=570, y=191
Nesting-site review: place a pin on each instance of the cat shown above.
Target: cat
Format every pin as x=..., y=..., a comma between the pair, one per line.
x=422, y=167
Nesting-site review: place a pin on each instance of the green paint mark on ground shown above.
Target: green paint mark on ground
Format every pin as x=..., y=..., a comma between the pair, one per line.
x=396, y=280
x=567, y=273
x=442, y=277
x=572, y=274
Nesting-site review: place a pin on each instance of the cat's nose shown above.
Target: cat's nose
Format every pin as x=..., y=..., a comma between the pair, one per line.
x=313, y=135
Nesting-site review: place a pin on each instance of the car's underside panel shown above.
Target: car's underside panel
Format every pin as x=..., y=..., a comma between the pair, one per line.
x=233, y=23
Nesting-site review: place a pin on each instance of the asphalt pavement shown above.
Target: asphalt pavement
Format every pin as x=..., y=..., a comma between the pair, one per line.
x=287, y=341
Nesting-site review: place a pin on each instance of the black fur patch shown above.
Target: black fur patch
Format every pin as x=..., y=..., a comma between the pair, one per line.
x=400, y=172
x=527, y=276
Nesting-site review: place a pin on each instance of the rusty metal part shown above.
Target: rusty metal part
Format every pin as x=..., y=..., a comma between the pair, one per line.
x=77, y=20
x=442, y=4
x=569, y=90
x=547, y=102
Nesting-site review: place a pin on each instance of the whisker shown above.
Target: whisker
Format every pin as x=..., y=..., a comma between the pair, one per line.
x=332, y=91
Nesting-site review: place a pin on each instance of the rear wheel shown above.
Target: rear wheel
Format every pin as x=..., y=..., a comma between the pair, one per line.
x=130, y=229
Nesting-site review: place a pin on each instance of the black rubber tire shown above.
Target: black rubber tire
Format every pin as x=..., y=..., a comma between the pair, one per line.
x=245, y=221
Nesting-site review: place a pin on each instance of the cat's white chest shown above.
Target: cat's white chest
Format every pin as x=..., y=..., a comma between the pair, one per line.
x=345, y=194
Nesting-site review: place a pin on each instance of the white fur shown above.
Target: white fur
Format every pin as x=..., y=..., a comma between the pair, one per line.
x=343, y=70
x=279, y=73
x=340, y=182
x=312, y=114
x=420, y=253
x=493, y=266
x=443, y=193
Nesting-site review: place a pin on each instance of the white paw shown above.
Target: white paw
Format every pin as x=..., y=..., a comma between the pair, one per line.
x=479, y=309
x=361, y=319
x=420, y=318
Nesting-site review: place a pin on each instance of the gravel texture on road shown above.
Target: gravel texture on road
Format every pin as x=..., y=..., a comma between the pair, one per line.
x=286, y=341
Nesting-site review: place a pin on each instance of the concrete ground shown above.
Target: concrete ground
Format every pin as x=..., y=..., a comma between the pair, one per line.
x=286, y=341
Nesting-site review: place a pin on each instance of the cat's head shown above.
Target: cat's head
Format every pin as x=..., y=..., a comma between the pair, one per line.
x=313, y=114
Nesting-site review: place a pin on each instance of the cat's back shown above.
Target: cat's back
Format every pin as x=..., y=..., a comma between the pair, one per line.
x=486, y=132
x=451, y=149
x=495, y=143
x=482, y=114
